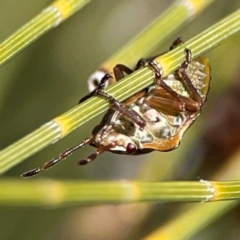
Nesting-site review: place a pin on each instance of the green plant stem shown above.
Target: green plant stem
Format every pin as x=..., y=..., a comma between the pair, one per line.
x=64, y=124
x=161, y=28
x=151, y=169
x=53, y=192
x=190, y=222
x=49, y=18
x=193, y=218
x=202, y=42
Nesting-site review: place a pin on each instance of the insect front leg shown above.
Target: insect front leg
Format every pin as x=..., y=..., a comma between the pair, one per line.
x=100, y=87
x=100, y=84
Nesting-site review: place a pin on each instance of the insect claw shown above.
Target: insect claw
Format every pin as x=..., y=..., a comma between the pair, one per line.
x=108, y=76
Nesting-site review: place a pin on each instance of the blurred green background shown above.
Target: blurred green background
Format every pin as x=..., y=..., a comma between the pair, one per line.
x=50, y=76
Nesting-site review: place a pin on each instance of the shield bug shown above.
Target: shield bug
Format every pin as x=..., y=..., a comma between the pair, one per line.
x=153, y=119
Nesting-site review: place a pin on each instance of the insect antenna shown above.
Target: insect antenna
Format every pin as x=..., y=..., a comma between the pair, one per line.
x=54, y=161
x=99, y=151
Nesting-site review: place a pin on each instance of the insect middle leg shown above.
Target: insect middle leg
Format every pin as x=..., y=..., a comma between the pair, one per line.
x=116, y=105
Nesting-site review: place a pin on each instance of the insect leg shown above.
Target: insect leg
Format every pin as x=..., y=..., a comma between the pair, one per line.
x=160, y=98
x=164, y=103
x=171, y=104
x=54, y=161
x=119, y=71
x=176, y=43
x=187, y=81
x=143, y=62
x=116, y=105
x=162, y=84
x=193, y=104
x=127, y=112
x=100, y=86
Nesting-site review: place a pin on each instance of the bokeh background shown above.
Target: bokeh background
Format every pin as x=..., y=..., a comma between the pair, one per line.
x=50, y=76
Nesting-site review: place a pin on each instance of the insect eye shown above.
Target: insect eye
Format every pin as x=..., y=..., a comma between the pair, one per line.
x=131, y=148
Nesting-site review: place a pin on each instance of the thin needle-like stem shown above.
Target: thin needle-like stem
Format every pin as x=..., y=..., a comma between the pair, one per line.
x=54, y=192
x=177, y=15
x=49, y=18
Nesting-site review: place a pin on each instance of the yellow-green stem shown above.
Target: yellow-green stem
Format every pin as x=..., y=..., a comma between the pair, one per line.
x=53, y=192
x=161, y=28
x=49, y=18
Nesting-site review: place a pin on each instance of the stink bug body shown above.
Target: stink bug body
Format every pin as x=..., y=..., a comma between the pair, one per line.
x=154, y=119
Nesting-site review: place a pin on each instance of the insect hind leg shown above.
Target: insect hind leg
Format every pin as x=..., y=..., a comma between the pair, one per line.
x=186, y=79
x=182, y=71
x=194, y=102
